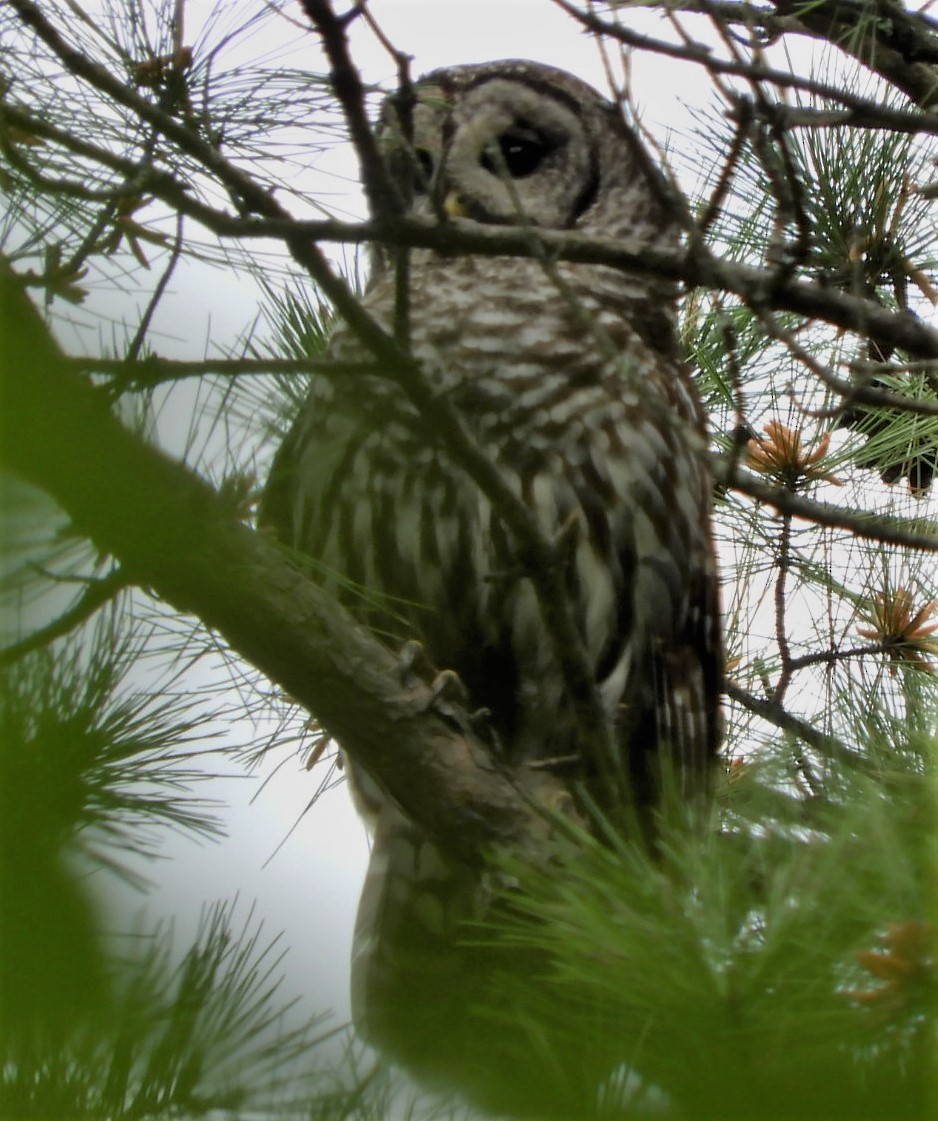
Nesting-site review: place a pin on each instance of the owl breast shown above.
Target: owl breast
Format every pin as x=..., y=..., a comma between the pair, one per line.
x=595, y=440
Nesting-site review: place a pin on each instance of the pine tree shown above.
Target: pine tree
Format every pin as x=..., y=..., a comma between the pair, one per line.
x=779, y=963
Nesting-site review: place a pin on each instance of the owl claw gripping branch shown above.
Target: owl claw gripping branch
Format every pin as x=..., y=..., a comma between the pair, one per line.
x=447, y=693
x=567, y=377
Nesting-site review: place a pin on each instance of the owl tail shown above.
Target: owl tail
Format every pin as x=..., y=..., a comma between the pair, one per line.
x=429, y=985
x=411, y=973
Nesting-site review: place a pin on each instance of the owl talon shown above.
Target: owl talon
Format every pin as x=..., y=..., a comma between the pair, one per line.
x=448, y=698
x=448, y=695
x=479, y=724
x=414, y=665
x=446, y=687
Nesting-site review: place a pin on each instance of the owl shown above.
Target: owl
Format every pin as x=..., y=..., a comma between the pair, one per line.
x=568, y=377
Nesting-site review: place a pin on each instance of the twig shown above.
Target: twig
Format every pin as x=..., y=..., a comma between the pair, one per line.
x=722, y=186
x=136, y=343
x=783, y=562
x=152, y=370
x=96, y=594
x=383, y=198
x=776, y=714
x=833, y=655
x=861, y=523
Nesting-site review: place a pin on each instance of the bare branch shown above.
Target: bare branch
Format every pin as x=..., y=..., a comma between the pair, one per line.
x=696, y=266
x=383, y=199
x=862, y=523
x=153, y=370
x=864, y=111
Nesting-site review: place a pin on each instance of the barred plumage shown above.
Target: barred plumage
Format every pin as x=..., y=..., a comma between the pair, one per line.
x=570, y=381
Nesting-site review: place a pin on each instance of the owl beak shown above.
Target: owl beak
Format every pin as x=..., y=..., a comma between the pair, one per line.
x=454, y=206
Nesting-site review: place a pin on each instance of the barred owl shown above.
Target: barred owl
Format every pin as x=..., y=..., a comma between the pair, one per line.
x=568, y=377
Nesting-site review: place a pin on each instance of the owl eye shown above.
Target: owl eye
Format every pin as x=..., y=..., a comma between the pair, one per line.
x=522, y=153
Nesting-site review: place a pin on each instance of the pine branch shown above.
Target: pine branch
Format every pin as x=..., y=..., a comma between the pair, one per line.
x=173, y=534
x=862, y=523
x=901, y=46
x=145, y=373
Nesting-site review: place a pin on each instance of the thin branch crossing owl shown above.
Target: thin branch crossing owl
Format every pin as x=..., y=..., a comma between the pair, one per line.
x=567, y=376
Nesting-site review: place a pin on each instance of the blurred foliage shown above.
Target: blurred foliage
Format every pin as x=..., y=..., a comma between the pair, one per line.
x=99, y=1025
x=209, y=1033
x=782, y=966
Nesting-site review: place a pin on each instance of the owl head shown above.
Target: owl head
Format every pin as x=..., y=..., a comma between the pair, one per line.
x=512, y=141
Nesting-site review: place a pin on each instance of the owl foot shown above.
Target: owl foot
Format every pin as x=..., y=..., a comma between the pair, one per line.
x=414, y=665
x=448, y=694
x=416, y=668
